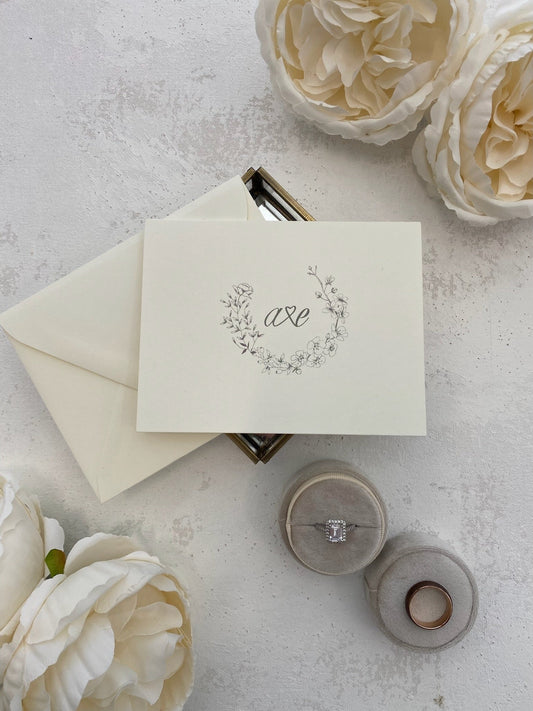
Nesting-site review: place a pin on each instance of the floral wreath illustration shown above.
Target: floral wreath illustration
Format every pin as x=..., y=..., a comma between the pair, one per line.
x=238, y=320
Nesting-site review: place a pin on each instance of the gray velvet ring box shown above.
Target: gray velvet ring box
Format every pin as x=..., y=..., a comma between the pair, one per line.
x=326, y=491
x=405, y=560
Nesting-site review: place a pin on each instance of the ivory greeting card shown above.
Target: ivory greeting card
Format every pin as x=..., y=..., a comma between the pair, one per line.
x=297, y=327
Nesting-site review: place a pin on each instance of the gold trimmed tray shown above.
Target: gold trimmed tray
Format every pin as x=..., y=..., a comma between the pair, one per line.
x=274, y=203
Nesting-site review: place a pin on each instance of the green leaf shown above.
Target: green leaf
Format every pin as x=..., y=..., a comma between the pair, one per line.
x=55, y=561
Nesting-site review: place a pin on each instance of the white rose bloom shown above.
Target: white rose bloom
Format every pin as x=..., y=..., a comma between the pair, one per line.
x=112, y=632
x=478, y=149
x=365, y=69
x=25, y=539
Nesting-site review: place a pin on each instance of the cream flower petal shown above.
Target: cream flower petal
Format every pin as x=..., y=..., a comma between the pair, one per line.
x=89, y=705
x=81, y=662
x=118, y=678
x=25, y=539
x=165, y=583
x=138, y=573
x=175, y=662
x=146, y=654
x=12, y=654
x=120, y=615
x=148, y=620
x=111, y=633
x=478, y=149
x=71, y=600
x=175, y=688
x=362, y=68
x=100, y=547
x=37, y=698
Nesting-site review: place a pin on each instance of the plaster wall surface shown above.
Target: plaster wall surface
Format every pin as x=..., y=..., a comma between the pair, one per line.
x=113, y=112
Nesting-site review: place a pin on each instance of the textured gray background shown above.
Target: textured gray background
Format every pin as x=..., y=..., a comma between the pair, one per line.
x=113, y=112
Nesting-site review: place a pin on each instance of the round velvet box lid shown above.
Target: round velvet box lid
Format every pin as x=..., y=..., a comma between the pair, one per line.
x=406, y=561
x=333, y=519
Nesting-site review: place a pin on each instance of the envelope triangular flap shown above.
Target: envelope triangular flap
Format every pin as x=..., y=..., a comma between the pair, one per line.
x=90, y=318
x=78, y=340
x=109, y=451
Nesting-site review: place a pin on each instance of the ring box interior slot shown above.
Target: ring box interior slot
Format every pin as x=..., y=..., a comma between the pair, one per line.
x=333, y=491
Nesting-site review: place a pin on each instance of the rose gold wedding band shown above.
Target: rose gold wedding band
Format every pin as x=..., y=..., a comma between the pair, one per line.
x=429, y=624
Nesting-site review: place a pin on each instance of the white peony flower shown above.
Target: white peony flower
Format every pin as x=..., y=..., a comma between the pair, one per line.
x=478, y=149
x=25, y=539
x=112, y=632
x=365, y=69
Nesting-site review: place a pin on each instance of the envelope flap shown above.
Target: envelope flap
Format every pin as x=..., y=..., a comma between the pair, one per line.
x=91, y=318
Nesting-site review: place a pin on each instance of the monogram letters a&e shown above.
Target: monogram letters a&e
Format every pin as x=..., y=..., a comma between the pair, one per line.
x=245, y=332
x=280, y=315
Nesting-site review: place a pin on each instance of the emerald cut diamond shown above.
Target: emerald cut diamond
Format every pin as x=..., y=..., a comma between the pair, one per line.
x=336, y=530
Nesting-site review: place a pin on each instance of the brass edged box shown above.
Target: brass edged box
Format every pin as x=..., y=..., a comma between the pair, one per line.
x=274, y=203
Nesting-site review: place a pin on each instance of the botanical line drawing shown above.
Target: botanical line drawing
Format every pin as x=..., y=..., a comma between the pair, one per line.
x=245, y=332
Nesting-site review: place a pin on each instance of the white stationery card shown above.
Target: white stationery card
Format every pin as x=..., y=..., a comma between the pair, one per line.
x=291, y=327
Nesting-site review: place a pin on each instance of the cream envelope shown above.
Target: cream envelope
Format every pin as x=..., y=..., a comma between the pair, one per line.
x=79, y=341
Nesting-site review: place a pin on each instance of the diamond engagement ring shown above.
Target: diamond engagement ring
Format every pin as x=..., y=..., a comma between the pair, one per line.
x=336, y=529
